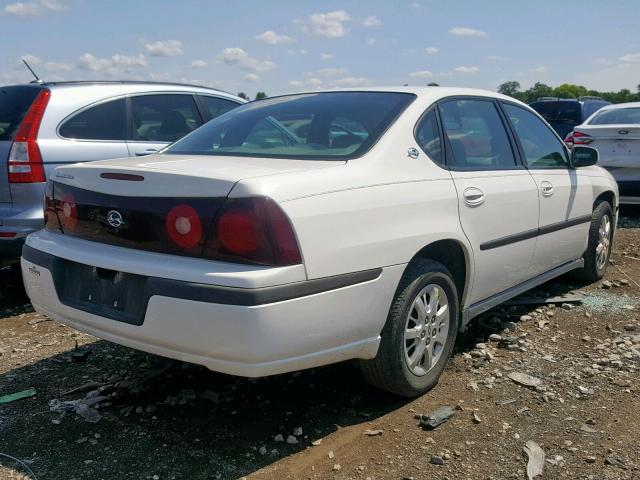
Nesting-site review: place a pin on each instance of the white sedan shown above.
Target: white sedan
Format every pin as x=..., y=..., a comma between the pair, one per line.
x=309, y=229
x=614, y=131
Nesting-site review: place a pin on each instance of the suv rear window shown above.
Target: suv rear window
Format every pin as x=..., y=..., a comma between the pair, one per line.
x=331, y=125
x=559, y=111
x=14, y=104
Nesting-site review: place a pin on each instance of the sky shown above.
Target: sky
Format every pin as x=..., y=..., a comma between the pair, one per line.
x=284, y=46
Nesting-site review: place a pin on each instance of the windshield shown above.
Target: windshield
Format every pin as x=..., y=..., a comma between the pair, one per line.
x=332, y=125
x=617, y=116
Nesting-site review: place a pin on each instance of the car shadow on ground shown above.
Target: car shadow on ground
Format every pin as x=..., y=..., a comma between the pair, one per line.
x=175, y=420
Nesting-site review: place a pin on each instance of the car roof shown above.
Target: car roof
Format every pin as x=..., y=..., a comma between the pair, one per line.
x=126, y=85
x=616, y=106
x=420, y=91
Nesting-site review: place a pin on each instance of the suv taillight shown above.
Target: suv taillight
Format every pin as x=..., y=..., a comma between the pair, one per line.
x=253, y=230
x=25, y=161
x=580, y=138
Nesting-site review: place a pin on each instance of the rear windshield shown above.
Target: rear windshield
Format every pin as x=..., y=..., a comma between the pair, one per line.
x=558, y=111
x=617, y=116
x=14, y=103
x=332, y=125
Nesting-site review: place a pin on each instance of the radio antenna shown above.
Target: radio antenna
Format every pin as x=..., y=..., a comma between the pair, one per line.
x=31, y=70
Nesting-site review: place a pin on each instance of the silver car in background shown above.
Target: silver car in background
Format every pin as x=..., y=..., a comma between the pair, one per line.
x=44, y=125
x=614, y=131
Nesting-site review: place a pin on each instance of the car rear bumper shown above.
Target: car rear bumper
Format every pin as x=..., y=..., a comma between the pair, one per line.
x=247, y=332
x=20, y=218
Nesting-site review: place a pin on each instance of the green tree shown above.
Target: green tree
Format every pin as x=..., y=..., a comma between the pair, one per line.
x=243, y=95
x=511, y=88
x=260, y=95
x=568, y=90
x=538, y=90
x=433, y=84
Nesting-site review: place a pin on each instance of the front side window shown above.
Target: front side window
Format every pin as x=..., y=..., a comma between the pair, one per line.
x=428, y=137
x=332, y=125
x=477, y=135
x=105, y=121
x=542, y=149
x=617, y=116
x=163, y=118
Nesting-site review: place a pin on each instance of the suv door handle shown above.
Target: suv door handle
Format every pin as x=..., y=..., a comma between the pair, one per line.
x=473, y=196
x=547, y=188
x=148, y=151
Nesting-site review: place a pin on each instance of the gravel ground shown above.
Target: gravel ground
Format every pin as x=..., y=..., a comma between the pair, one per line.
x=137, y=416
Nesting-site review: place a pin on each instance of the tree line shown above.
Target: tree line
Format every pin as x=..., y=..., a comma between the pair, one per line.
x=566, y=90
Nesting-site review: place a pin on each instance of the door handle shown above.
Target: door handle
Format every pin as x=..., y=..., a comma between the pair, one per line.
x=473, y=196
x=148, y=151
x=547, y=189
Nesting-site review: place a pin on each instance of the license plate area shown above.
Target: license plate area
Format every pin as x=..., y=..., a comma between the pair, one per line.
x=107, y=293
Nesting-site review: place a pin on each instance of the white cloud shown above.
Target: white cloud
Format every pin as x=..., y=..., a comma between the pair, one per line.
x=326, y=56
x=237, y=56
x=371, y=21
x=613, y=77
x=467, y=32
x=601, y=61
x=371, y=41
x=630, y=58
x=199, y=64
x=302, y=52
x=114, y=65
x=351, y=82
x=272, y=38
x=58, y=67
x=415, y=5
x=332, y=72
x=252, y=77
x=326, y=78
x=32, y=9
x=164, y=48
x=497, y=58
x=421, y=74
x=431, y=50
x=540, y=69
x=466, y=70
x=330, y=25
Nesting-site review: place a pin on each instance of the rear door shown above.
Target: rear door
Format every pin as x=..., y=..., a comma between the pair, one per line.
x=159, y=119
x=14, y=104
x=96, y=132
x=566, y=195
x=497, y=197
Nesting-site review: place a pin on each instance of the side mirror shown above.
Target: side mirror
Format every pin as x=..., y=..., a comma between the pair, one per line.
x=583, y=157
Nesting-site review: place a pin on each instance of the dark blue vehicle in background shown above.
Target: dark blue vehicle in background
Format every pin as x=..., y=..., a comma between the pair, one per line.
x=565, y=113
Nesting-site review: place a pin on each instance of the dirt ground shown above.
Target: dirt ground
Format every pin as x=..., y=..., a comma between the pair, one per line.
x=160, y=420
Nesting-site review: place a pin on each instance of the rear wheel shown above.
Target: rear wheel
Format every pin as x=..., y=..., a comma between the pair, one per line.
x=421, y=329
x=596, y=258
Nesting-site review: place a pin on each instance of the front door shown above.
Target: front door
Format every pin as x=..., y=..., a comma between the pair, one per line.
x=565, y=194
x=498, y=198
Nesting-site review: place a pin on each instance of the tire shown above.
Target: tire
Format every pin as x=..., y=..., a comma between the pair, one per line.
x=595, y=263
x=390, y=370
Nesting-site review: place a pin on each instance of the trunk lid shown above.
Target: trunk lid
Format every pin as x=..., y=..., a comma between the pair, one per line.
x=617, y=145
x=178, y=175
x=144, y=203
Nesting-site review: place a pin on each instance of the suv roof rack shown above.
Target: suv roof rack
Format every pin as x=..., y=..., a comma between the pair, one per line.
x=590, y=97
x=130, y=82
x=547, y=99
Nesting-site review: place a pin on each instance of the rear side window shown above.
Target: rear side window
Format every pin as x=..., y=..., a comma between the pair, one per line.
x=559, y=111
x=105, y=121
x=542, y=149
x=428, y=137
x=163, y=118
x=14, y=104
x=619, y=116
x=477, y=135
x=217, y=106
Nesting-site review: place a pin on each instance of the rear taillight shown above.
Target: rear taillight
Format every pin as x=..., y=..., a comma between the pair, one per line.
x=253, y=230
x=25, y=161
x=51, y=221
x=184, y=226
x=568, y=140
x=579, y=138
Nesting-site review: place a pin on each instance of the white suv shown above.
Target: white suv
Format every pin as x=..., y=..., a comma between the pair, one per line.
x=308, y=229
